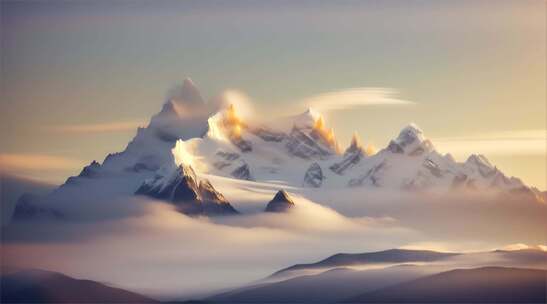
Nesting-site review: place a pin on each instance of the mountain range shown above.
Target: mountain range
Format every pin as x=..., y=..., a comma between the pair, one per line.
x=190, y=135
x=404, y=276
x=389, y=276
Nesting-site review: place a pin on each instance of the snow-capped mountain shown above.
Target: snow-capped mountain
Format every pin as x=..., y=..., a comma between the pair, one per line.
x=190, y=195
x=298, y=151
x=308, y=155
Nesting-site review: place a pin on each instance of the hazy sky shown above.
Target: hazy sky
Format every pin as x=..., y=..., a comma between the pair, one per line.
x=76, y=77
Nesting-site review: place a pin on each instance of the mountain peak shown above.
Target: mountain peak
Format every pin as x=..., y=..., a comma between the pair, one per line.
x=280, y=203
x=190, y=195
x=481, y=163
x=410, y=133
x=479, y=159
x=308, y=119
x=355, y=144
x=282, y=195
x=411, y=140
x=186, y=94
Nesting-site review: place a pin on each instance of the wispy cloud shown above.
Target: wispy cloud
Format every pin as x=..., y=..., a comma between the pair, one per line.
x=519, y=142
x=105, y=127
x=355, y=97
x=521, y=246
x=11, y=162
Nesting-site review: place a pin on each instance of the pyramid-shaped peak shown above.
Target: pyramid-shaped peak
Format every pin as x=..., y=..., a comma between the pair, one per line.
x=186, y=93
x=480, y=160
x=282, y=195
x=186, y=170
x=308, y=119
x=355, y=144
x=355, y=140
x=280, y=203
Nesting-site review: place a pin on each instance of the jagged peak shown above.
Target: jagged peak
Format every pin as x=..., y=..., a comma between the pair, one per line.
x=410, y=133
x=355, y=144
x=479, y=159
x=355, y=140
x=186, y=170
x=308, y=119
x=186, y=94
x=282, y=195
x=411, y=141
x=280, y=203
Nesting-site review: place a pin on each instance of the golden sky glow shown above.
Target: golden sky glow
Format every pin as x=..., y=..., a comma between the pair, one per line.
x=78, y=79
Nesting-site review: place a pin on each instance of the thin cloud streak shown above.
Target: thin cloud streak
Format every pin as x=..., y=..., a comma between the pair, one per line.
x=14, y=162
x=106, y=127
x=521, y=142
x=355, y=97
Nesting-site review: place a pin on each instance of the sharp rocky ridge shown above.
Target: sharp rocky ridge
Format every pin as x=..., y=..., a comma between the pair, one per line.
x=300, y=151
x=191, y=196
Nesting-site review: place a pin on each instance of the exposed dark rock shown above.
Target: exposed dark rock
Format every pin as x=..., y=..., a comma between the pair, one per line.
x=371, y=177
x=213, y=201
x=268, y=135
x=140, y=167
x=28, y=207
x=192, y=197
x=91, y=170
x=243, y=172
x=395, y=147
x=351, y=158
x=221, y=165
x=242, y=144
x=433, y=168
x=303, y=145
x=280, y=203
x=355, y=146
x=314, y=176
x=417, y=152
x=228, y=155
x=411, y=142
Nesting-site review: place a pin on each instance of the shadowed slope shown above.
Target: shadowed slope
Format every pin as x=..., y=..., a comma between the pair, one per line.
x=39, y=286
x=480, y=285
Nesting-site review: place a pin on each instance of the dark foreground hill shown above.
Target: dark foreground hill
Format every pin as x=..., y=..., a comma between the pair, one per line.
x=328, y=287
x=479, y=285
x=39, y=286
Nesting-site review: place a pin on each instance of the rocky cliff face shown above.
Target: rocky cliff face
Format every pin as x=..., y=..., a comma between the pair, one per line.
x=313, y=176
x=192, y=197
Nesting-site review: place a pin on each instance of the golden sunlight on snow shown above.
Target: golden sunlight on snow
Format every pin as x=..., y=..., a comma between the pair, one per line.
x=183, y=154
